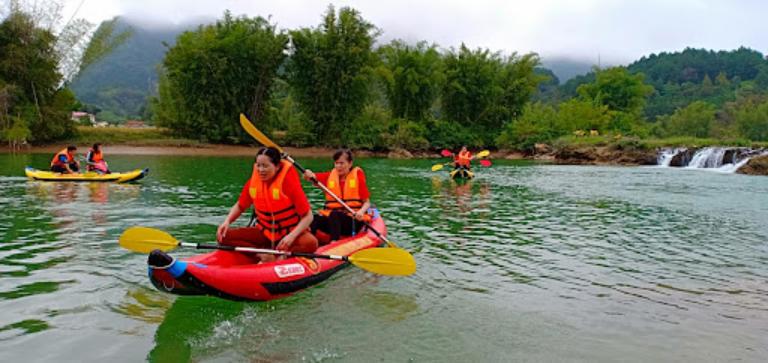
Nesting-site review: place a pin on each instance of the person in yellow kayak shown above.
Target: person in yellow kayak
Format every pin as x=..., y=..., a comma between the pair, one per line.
x=95, y=160
x=64, y=161
x=281, y=207
x=348, y=183
x=463, y=159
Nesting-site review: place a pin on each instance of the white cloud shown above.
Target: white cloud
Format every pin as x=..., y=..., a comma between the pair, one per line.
x=619, y=31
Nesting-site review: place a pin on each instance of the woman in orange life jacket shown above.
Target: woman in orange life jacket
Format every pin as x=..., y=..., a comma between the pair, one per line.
x=463, y=159
x=95, y=160
x=64, y=161
x=348, y=183
x=281, y=207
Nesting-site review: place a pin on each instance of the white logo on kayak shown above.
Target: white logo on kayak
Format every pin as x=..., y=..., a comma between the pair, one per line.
x=293, y=269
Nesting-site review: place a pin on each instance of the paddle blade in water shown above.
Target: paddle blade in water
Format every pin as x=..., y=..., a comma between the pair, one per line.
x=486, y=163
x=437, y=167
x=446, y=153
x=483, y=154
x=144, y=240
x=258, y=135
x=385, y=261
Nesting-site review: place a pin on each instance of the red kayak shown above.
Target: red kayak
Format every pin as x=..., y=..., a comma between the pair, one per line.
x=235, y=276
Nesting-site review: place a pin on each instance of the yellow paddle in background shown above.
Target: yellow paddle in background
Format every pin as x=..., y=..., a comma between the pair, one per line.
x=383, y=261
x=264, y=140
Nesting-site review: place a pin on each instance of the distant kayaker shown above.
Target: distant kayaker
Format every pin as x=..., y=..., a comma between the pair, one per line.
x=348, y=183
x=64, y=161
x=463, y=159
x=281, y=207
x=95, y=160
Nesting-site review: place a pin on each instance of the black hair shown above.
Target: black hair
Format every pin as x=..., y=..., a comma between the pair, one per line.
x=341, y=152
x=71, y=148
x=271, y=153
x=96, y=146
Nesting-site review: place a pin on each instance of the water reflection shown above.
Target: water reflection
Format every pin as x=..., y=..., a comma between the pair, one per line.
x=464, y=196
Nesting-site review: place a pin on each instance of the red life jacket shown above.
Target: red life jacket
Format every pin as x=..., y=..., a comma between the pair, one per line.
x=96, y=156
x=463, y=159
x=56, y=160
x=350, y=195
x=276, y=214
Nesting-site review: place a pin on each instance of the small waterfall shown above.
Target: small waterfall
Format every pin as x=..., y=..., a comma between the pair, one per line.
x=731, y=168
x=666, y=155
x=721, y=159
x=708, y=157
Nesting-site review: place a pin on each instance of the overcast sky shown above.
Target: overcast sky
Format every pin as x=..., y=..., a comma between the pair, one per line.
x=619, y=31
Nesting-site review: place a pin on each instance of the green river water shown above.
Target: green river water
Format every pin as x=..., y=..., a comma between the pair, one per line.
x=528, y=262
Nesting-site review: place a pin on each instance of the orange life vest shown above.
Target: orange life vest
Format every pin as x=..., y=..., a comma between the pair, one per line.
x=276, y=214
x=56, y=161
x=350, y=195
x=464, y=158
x=96, y=156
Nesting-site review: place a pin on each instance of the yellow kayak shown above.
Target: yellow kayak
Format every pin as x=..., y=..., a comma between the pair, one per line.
x=462, y=173
x=86, y=177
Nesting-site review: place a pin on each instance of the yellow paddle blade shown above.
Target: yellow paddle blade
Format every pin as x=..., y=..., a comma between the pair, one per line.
x=258, y=135
x=385, y=261
x=483, y=154
x=437, y=167
x=144, y=240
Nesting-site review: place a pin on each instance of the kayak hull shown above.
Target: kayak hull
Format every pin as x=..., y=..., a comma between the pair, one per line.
x=236, y=276
x=44, y=175
x=462, y=173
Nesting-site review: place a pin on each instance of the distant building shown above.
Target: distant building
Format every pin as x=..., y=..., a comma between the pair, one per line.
x=134, y=124
x=79, y=115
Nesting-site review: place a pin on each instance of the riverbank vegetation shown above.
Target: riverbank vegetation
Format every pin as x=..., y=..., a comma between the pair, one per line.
x=39, y=56
x=337, y=84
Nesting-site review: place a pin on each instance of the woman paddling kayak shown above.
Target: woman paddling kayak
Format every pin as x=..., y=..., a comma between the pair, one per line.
x=348, y=183
x=281, y=207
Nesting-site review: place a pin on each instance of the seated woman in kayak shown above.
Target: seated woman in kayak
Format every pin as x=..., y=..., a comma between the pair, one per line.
x=95, y=160
x=462, y=159
x=64, y=161
x=281, y=207
x=348, y=183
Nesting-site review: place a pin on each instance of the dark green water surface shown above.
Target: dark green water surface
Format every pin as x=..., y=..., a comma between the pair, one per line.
x=526, y=263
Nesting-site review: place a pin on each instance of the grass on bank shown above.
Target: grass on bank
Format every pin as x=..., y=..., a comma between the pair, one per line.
x=636, y=143
x=126, y=136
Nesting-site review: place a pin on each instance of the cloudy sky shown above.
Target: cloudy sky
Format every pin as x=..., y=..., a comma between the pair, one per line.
x=617, y=31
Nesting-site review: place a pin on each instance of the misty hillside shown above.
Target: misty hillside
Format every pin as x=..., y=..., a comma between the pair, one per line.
x=119, y=83
x=566, y=68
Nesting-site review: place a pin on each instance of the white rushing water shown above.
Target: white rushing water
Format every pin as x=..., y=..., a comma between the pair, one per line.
x=666, y=155
x=710, y=158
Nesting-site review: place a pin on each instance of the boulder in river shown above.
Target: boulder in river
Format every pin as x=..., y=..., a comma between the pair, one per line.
x=758, y=165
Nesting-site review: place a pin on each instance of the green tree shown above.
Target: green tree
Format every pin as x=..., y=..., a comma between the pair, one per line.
x=484, y=90
x=617, y=89
x=752, y=121
x=537, y=124
x=412, y=76
x=330, y=69
x=576, y=114
x=28, y=66
x=214, y=73
x=695, y=120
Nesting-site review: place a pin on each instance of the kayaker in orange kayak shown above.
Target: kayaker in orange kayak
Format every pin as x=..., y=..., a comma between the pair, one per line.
x=348, y=183
x=281, y=207
x=64, y=161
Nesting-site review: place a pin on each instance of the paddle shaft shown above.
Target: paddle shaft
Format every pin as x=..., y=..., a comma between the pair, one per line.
x=336, y=197
x=262, y=250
